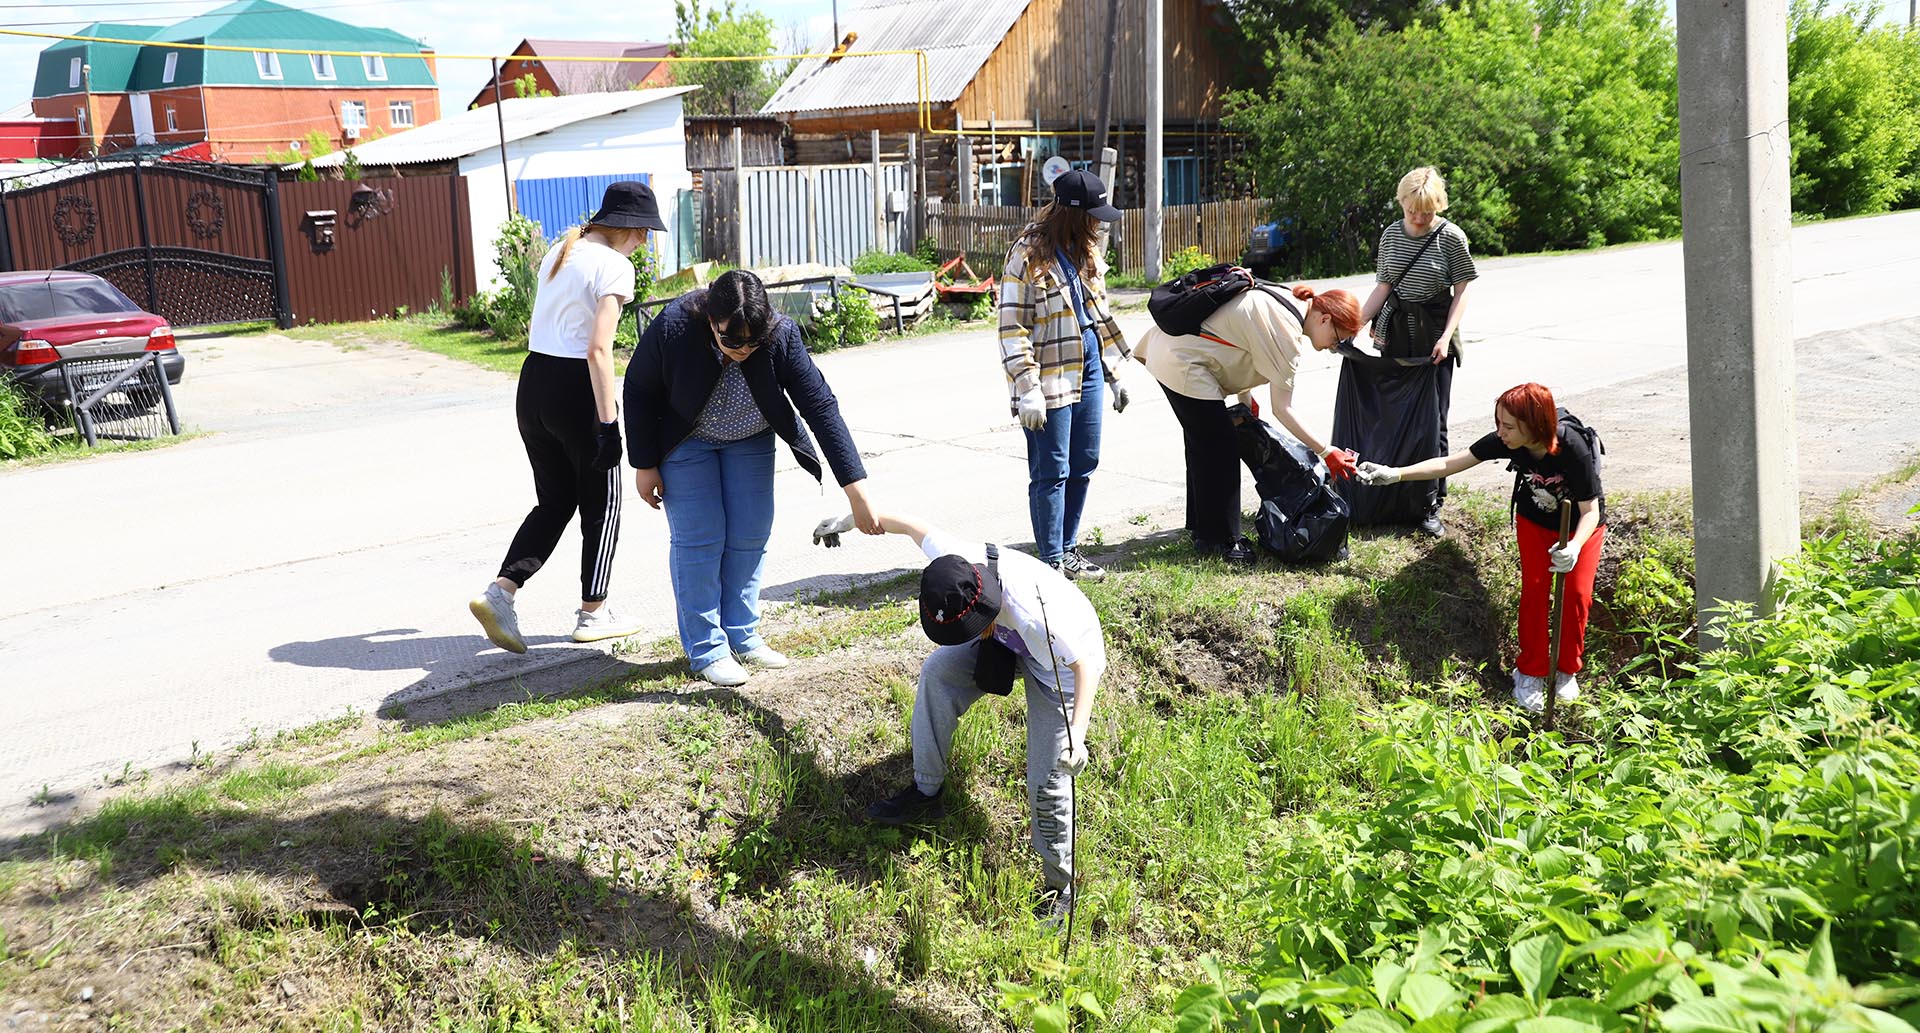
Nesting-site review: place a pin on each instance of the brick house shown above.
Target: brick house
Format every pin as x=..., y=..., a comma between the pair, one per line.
x=567, y=78
x=243, y=105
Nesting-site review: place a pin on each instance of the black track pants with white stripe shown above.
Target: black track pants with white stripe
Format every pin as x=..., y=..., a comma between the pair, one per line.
x=558, y=424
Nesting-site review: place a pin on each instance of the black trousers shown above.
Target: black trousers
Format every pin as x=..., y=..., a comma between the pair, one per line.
x=558, y=425
x=1213, y=468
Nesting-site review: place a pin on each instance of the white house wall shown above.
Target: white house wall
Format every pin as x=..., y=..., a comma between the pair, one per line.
x=651, y=139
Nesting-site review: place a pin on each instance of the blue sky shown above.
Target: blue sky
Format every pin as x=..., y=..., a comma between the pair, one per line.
x=449, y=26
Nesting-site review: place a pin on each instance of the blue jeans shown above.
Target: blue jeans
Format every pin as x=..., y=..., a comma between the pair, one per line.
x=719, y=503
x=1060, y=460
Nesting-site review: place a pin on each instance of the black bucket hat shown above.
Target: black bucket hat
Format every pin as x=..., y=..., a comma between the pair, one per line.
x=957, y=600
x=629, y=204
x=1081, y=189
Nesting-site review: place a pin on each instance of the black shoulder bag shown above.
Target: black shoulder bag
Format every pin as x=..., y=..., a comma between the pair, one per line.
x=1415, y=325
x=994, y=665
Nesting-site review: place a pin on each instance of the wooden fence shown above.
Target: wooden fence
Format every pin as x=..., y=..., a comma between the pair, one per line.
x=984, y=232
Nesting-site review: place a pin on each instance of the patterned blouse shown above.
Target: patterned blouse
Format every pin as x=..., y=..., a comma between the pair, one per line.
x=730, y=414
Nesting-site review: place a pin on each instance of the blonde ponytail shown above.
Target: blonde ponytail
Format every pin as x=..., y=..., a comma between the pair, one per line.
x=566, y=248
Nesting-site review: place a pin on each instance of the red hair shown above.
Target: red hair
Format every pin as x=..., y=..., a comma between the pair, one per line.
x=1531, y=406
x=1341, y=305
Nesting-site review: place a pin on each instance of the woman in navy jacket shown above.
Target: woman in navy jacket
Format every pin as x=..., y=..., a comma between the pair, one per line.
x=714, y=378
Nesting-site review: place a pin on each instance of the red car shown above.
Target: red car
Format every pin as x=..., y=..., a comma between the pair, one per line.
x=48, y=316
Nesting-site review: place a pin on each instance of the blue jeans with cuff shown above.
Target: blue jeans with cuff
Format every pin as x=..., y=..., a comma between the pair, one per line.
x=719, y=503
x=1061, y=458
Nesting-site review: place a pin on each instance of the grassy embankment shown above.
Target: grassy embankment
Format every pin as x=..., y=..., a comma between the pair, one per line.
x=648, y=853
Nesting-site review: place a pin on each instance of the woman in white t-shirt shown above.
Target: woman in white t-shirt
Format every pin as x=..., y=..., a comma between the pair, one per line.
x=1253, y=339
x=569, y=413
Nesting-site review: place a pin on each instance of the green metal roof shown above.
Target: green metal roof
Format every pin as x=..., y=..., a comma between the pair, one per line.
x=111, y=63
x=260, y=23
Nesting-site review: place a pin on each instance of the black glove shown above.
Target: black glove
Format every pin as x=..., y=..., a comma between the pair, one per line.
x=607, y=456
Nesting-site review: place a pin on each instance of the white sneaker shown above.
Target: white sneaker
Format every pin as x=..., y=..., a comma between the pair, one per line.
x=725, y=672
x=597, y=625
x=1566, y=688
x=765, y=656
x=1530, y=692
x=494, y=610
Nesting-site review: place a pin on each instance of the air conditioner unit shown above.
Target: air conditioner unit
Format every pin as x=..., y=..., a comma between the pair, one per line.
x=351, y=132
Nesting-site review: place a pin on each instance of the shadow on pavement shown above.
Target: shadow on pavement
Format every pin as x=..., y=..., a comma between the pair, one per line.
x=392, y=650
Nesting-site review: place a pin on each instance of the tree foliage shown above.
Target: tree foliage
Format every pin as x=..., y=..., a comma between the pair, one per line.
x=728, y=87
x=1853, y=110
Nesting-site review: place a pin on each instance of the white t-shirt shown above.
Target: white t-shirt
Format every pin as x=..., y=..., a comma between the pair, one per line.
x=1267, y=344
x=564, y=306
x=1024, y=582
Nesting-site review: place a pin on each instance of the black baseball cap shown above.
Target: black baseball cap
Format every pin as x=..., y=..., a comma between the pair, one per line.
x=1078, y=188
x=958, y=600
x=629, y=204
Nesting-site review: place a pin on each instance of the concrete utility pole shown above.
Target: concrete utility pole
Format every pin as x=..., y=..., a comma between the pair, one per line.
x=879, y=198
x=1101, y=153
x=740, y=200
x=1735, y=211
x=1156, y=132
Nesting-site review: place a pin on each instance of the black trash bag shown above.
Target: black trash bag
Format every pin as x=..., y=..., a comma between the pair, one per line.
x=1302, y=519
x=1387, y=410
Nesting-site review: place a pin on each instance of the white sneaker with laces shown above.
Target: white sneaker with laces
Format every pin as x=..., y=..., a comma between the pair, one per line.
x=1530, y=691
x=763, y=656
x=601, y=624
x=725, y=672
x=1566, y=688
x=493, y=608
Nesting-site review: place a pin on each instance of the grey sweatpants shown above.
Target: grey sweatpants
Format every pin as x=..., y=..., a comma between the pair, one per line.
x=946, y=691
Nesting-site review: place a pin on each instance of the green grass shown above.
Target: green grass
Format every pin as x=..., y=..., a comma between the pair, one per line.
x=427, y=333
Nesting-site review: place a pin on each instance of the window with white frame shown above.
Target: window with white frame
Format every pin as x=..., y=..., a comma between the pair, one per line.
x=322, y=66
x=400, y=113
x=173, y=125
x=268, y=63
x=80, y=120
x=74, y=73
x=171, y=66
x=353, y=114
x=375, y=66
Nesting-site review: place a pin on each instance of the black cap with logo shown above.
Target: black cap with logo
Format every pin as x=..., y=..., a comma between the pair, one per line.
x=1078, y=188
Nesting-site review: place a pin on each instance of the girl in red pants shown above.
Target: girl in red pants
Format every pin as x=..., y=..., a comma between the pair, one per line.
x=1552, y=460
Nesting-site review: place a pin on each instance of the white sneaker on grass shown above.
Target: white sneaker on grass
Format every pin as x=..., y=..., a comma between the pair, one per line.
x=601, y=624
x=494, y=610
x=764, y=656
x=725, y=672
x=1530, y=691
x=1566, y=688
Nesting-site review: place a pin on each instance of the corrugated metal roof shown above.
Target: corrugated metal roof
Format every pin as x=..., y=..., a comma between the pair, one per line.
x=475, y=130
x=958, y=36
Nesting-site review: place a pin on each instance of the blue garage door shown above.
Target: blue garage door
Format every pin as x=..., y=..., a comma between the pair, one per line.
x=560, y=204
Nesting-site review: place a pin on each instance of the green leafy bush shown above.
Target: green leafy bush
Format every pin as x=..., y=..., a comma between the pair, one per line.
x=519, y=247
x=1186, y=260
x=1853, y=110
x=843, y=323
x=890, y=262
x=1739, y=851
x=22, y=431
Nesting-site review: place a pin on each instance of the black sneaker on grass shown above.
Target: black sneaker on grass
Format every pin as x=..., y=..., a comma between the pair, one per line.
x=909, y=806
x=1077, y=567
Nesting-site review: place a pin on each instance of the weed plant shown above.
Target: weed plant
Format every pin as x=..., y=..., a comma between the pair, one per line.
x=23, y=432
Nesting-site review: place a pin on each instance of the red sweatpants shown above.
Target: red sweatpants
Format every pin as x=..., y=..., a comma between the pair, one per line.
x=1536, y=599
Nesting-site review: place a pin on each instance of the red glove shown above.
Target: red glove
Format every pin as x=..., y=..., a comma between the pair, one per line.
x=1253, y=405
x=1341, y=461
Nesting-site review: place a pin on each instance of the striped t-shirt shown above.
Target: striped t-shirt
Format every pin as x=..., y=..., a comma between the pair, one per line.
x=1444, y=263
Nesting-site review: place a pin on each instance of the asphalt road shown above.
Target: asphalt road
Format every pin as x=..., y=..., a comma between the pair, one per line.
x=315, y=552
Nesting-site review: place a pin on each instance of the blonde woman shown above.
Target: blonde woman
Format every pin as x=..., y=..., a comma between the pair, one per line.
x=1423, y=266
x=1061, y=351
x=568, y=409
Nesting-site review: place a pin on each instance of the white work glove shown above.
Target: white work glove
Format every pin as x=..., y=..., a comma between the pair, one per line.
x=1374, y=475
x=1118, y=392
x=1560, y=557
x=1073, y=760
x=1033, y=410
x=827, y=532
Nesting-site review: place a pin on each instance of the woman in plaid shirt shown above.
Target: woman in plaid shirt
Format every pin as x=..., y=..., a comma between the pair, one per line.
x=1061, y=350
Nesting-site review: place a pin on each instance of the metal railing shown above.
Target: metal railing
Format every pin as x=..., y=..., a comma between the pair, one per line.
x=125, y=399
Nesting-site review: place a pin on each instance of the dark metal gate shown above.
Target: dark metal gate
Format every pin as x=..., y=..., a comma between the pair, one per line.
x=194, y=243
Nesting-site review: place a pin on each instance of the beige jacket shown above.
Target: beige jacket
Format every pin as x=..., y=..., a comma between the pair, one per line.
x=1265, y=346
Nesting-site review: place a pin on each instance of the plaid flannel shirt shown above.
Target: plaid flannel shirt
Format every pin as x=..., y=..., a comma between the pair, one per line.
x=1040, y=342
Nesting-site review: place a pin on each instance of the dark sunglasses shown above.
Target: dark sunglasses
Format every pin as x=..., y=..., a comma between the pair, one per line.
x=736, y=343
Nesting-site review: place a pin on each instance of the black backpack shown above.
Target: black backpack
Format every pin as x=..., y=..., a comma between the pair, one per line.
x=1180, y=305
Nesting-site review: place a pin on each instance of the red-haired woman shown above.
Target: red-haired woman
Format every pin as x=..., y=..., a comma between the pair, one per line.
x=1551, y=463
x=1256, y=338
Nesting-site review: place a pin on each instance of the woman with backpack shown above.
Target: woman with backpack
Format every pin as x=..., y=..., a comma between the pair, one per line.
x=1555, y=459
x=1061, y=351
x=715, y=378
x=1254, y=338
x=568, y=408
x=1423, y=264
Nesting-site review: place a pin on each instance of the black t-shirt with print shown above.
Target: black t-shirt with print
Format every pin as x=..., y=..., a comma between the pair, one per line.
x=1540, y=484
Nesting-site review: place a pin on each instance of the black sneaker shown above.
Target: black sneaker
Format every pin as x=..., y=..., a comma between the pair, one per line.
x=1432, y=526
x=1239, y=553
x=1077, y=567
x=1053, y=906
x=909, y=806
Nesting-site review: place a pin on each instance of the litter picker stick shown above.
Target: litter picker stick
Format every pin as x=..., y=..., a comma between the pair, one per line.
x=1553, y=635
x=1073, y=784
